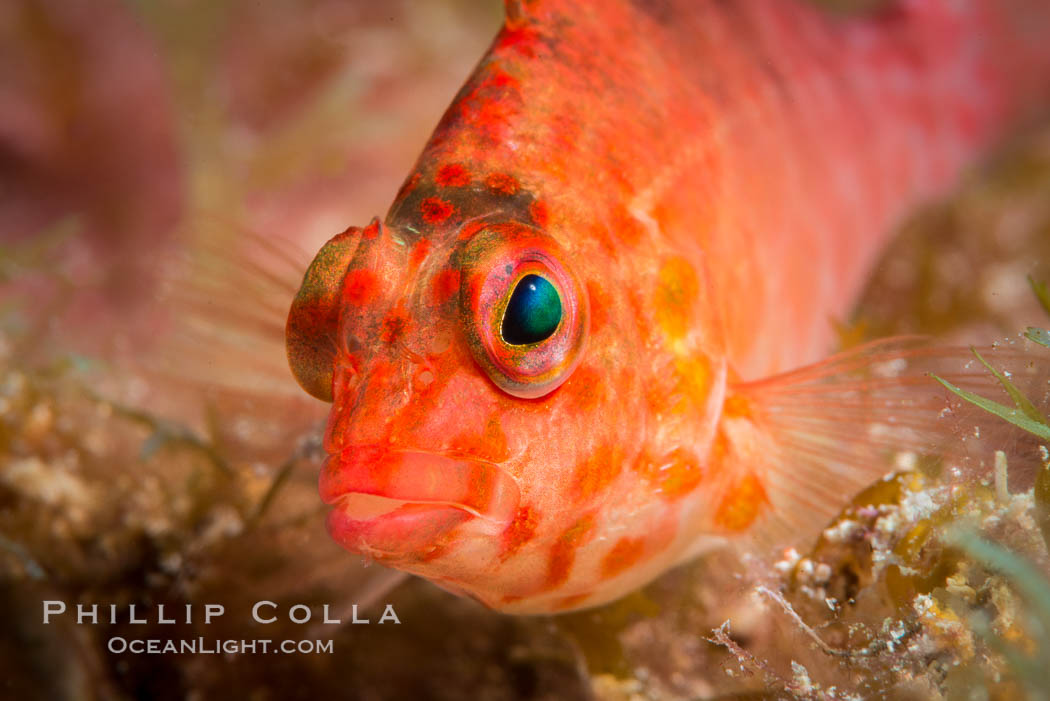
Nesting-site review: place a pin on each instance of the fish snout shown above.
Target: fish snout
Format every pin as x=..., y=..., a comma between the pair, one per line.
x=369, y=396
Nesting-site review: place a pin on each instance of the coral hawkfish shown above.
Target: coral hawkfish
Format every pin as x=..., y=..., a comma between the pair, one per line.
x=560, y=364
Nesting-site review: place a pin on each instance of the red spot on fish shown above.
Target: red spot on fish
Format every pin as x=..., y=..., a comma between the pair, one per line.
x=452, y=175
x=742, y=503
x=490, y=104
x=394, y=325
x=492, y=118
x=419, y=252
x=502, y=184
x=520, y=531
x=522, y=39
x=435, y=210
x=360, y=287
x=444, y=285
x=538, y=212
x=371, y=231
x=563, y=552
x=623, y=555
x=597, y=471
x=500, y=79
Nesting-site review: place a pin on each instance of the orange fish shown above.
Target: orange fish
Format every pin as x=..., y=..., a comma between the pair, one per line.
x=546, y=362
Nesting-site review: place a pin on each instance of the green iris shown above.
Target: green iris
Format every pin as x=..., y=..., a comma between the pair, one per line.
x=533, y=312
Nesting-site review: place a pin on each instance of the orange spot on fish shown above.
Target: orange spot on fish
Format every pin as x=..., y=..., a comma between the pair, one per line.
x=676, y=297
x=641, y=313
x=520, y=531
x=360, y=287
x=452, y=175
x=623, y=555
x=742, y=504
x=502, y=184
x=626, y=227
x=586, y=388
x=599, y=306
x=435, y=210
x=673, y=475
x=444, y=284
x=597, y=471
x=692, y=382
x=563, y=552
x=682, y=474
x=538, y=212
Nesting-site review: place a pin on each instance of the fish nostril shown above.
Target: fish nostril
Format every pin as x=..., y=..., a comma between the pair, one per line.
x=424, y=378
x=351, y=344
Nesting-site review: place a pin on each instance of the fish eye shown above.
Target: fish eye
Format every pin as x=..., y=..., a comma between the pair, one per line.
x=533, y=312
x=522, y=308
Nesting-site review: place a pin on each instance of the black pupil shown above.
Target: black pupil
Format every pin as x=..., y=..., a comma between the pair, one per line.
x=533, y=312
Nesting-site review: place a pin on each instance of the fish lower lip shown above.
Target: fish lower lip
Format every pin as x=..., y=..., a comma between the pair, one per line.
x=419, y=479
x=396, y=535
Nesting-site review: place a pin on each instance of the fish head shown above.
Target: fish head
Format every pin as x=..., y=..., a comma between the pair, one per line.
x=492, y=421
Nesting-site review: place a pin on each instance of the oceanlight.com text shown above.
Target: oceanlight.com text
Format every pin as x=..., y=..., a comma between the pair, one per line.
x=205, y=646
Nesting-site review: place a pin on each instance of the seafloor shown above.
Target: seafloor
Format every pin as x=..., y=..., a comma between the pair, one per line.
x=136, y=468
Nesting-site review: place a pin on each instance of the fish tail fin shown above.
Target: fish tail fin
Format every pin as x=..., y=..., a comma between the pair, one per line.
x=809, y=440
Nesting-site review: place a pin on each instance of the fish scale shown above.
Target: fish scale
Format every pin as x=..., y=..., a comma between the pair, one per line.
x=704, y=186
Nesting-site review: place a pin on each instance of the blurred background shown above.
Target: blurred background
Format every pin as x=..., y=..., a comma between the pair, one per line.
x=167, y=169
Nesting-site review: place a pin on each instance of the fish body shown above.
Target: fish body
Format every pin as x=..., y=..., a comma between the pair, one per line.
x=539, y=361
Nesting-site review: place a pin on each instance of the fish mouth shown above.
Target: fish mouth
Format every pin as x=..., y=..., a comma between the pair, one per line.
x=390, y=503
